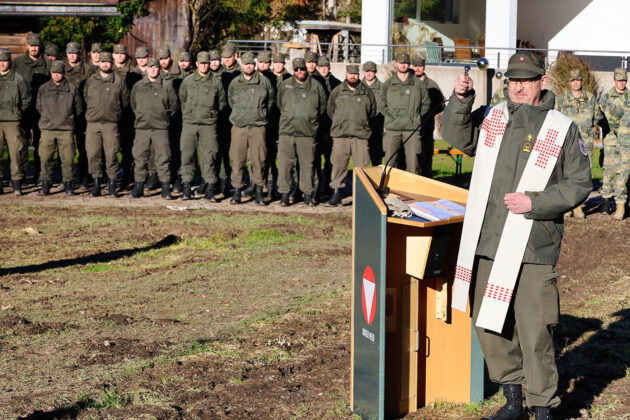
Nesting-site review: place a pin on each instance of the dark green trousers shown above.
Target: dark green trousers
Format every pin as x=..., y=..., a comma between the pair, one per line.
x=244, y=140
x=145, y=141
x=292, y=150
x=392, y=142
x=11, y=134
x=343, y=149
x=203, y=140
x=524, y=352
x=102, y=138
x=50, y=141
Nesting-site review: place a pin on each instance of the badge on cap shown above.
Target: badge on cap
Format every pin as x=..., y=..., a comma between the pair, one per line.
x=522, y=58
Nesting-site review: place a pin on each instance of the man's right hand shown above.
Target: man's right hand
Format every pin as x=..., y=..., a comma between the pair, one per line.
x=463, y=86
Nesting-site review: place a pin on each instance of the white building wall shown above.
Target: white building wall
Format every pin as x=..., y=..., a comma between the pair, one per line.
x=375, y=30
x=501, y=18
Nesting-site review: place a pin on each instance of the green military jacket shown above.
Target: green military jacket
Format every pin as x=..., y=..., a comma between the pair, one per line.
x=613, y=104
x=301, y=107
x=351, y=111
x=153, y=103
x=173, y=73
x=15, y=96
x=569, y=183
x=35, y=72
x=404, y=103
x=377, y=89
x=235, y=70
x=78, y=74
x=281, y=77
x=436, y=106
x=202, y=98
x=250, y=100
x=58, y=105
x=584, y=111
x=105, y=97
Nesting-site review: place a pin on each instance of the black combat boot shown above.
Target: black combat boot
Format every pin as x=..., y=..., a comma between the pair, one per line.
x=67, y=186
x=543, y=413
x=152, y=182
x=186, y=191
x=200, y=191
x=17, y=187
x=1, y=188
x=85, y=182
x=284, y=199
x=607, y=206
x=224, y=186
x=260, y=197
x=271, y=190
x=295, y=196
x=236, y=197
x=335, y=200
x=250, y=190
x=137, y=191
x=96, y=188
x=177, y=185
x=308, y=200
x=111, y=188
x=166, y=191
x=513, y=408
x=209, y=195
x=45, y=188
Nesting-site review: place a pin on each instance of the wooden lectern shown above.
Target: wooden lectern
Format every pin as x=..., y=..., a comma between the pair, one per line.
x=409, y=348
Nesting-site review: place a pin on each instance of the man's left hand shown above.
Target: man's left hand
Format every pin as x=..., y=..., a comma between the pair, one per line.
x=518, y=203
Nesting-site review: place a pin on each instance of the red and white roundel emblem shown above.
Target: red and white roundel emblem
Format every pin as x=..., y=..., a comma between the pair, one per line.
x=368, y=292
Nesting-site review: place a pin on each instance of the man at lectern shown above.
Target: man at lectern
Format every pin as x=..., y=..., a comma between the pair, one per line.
x=531, y=167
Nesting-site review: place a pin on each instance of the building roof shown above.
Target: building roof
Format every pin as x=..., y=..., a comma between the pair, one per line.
x=59, y=8
x=326, y=25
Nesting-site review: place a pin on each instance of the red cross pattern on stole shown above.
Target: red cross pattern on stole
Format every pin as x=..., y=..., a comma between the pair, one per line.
x=463, y=274
x=496, y=292
x=494, y=126
x=547, y=148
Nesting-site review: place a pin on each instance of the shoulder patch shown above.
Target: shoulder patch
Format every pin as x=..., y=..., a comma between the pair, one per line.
x=582, y=145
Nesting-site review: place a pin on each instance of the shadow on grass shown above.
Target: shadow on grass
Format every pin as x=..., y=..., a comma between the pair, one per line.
x=587, y=369
x=100, y=257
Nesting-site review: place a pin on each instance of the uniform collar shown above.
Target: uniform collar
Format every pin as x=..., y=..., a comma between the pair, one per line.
x=63, y=86
x=409, y=81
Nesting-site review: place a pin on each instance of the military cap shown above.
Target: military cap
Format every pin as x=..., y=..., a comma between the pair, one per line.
x=5, y=55
x=369, y=66
x=310, y=57
x=142, y=52
x=214, y=55
x=203, y=57
x=164, y=52
x=418, y=61
x=352, y=69
x=621, y=74
x=153, y=62
x=105, y=57
x=525, y=65
x=228, y=50
x=402, y=57
x=299, y=62
x=120, y=49
x=277, y=58
x=57, y=67
x=264, y=57
x=73, y=47
x=184, y=56
x=33, y=39
x=247, y=58
x=51, y=49
x=323, y=61
x=96, y=47
x=575, y=74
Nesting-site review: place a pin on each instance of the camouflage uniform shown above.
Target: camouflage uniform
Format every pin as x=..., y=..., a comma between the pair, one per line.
x=498, y=97
x=614, y=183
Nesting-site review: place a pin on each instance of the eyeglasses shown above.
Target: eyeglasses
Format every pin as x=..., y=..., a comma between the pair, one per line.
x=526, y=83
x=299, y=69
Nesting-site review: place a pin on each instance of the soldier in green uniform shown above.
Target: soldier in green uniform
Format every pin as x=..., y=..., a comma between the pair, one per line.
x=77, y=72
x=524, y=352
x=184, y=61
x=228, y=59
x=154, y=102
x=35, y=70
x=311, y=59
x=613, y=104
x=122, y=66
x=202, y=99
x=15, y=101
x=142, y=59
x=405, y=103
x=95, y=50
x=278, y=65
x=59, y=102
x=301, y=101
x=250, y=96
x=582, y=107
x=169, y=70
x=375, y=141
x=351, y=107
x=106, y=98
x=51, y=52
x=428, y=127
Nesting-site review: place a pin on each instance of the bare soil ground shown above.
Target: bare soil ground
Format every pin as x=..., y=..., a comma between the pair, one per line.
x=120, y=308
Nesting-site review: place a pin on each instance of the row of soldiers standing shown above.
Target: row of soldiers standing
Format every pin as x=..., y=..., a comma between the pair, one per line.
x=224, y=112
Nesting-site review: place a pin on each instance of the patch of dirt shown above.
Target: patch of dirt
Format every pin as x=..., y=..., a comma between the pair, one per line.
x=118, y=319
x=116, y=350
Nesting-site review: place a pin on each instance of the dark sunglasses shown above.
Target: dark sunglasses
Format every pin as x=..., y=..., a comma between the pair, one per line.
x=299, y=69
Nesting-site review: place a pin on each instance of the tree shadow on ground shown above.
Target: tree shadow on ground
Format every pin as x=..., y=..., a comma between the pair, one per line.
x=587, y=369
x=100, y=257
